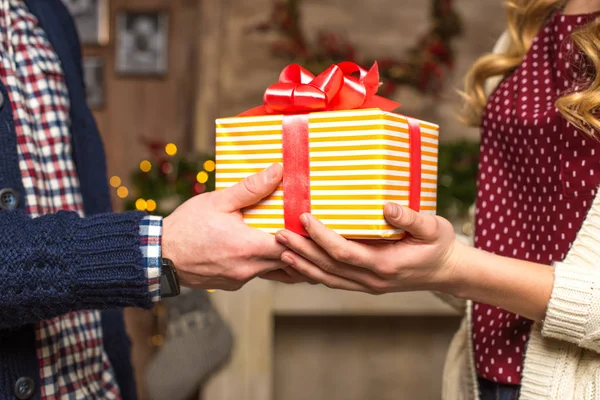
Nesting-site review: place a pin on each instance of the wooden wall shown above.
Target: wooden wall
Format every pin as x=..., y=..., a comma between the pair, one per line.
x=151, y=107
x=359, y=358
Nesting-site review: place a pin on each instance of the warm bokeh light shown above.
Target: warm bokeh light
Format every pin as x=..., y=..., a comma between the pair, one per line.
x=122, y=192
x=210, y=290
x=171, y=149
x=115, y=181
x=145, y=166
x=202, y=177
x=140, y=204
x=157, y=340
x=150, y=205
x=209, y=165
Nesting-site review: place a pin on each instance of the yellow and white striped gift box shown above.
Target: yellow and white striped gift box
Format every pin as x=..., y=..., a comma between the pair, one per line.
x=359, y=161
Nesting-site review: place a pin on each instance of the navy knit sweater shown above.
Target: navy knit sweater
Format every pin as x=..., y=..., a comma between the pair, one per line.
x=60, y=263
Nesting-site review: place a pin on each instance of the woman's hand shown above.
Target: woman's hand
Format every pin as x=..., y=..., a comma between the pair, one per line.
x=427, y=259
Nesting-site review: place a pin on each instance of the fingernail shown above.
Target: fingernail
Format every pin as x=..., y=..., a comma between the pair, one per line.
x=287, y=259
x=393, y=210
x=271, y=172
x=305, y=220
x=281, y=238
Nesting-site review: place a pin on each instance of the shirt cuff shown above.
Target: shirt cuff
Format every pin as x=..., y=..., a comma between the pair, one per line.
x=150, y=244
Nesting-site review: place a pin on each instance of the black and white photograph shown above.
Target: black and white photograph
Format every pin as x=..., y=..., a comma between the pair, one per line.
x=91, y=19
x=93, y=73
x=142, y=39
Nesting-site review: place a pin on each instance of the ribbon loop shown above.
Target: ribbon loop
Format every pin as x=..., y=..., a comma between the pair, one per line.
x=281, y=96
x=349, y=68
x=329, y=81
x=351, y=96
x=295, y=73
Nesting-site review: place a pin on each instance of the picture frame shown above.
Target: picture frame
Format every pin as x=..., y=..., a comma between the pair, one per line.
x=94, y=74
x=91, y=19
x=142, y=43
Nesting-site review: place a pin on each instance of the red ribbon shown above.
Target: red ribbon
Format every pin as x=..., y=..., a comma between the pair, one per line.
x=296, y=171
x=344, y=86
x=414, y=185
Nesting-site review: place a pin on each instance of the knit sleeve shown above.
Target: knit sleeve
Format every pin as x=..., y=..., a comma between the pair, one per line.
x=59, y=263
x=573, y=312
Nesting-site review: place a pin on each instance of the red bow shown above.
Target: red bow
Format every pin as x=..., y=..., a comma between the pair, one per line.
x=337, y=88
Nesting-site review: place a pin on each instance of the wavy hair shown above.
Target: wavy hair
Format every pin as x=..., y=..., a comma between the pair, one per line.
x=525, y=19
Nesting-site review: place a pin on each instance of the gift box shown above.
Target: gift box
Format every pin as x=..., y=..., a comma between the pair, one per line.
x=344, y=154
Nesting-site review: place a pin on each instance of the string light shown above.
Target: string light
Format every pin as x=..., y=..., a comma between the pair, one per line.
x=171, y=149
x=150, y=205
x=140, y=204
x=209, y=165
x=160, y=310
x=145, y=166
x=115, y=181
x=157, y=340
x=202, y=177
x=122, y=192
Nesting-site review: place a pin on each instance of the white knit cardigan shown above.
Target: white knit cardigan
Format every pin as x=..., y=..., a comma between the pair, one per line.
x=562, y=360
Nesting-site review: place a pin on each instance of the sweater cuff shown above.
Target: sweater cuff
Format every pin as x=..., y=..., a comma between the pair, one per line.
x=150, y=245
x=569, y=307
x=110, y=269
x=571, y=313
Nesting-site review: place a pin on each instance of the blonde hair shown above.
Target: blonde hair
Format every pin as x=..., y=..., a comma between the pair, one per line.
x=525, y=19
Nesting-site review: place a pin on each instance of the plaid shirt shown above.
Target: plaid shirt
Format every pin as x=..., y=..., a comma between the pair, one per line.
x=72, y=360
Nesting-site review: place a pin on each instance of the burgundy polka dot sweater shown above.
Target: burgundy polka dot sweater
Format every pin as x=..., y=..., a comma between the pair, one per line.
x=538, y=176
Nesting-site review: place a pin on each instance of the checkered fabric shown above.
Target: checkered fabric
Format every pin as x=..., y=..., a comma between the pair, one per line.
x=150, y=241
x=72, y=360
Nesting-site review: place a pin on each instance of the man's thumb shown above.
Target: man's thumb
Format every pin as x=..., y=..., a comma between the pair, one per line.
x=253, y=188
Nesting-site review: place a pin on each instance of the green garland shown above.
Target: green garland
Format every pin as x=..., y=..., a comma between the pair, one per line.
x=424, y=66
x=457, y=177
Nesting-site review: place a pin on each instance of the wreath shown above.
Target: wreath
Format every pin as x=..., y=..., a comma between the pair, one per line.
x=424, y=66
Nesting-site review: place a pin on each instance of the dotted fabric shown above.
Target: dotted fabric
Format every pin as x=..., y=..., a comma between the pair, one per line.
x=537, y=180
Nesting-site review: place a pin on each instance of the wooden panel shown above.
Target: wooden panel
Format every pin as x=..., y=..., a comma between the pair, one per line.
x=359, y=358
x=140, y=323
x=319, y=300
x=160, y=108
x=249, y=375
x=208, y=88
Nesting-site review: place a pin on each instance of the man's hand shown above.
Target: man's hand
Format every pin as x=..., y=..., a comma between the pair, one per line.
x=209, y=243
